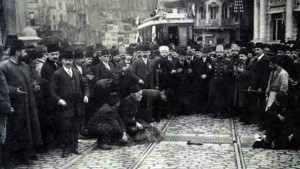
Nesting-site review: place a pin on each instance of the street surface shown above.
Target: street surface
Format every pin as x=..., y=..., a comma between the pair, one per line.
x=217, y=152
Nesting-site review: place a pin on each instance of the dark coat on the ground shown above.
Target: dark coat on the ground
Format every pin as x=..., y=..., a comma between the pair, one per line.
x=5, y=106
x=146, y=72
x=23, y=128
x=106, y=115
x=61, y=88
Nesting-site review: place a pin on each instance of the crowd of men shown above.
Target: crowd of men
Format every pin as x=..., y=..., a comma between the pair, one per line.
x=51, y=93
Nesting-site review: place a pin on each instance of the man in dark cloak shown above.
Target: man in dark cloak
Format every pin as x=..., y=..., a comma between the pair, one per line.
x=23, y=128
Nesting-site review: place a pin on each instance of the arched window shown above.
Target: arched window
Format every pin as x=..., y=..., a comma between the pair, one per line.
x=213, y=10
x=202, y=11
x=224, y=11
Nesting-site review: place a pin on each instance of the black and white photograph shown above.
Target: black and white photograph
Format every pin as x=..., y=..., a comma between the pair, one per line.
x=149, y=84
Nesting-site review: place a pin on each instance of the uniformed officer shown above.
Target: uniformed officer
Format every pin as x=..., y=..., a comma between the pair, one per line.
x=222, y=70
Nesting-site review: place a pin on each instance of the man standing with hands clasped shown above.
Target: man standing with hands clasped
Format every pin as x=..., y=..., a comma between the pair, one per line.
x=66, y=90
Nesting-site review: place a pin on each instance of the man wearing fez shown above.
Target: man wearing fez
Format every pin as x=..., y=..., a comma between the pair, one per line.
x=23, y=127
x=66, y=89
x=105, y=69
x=202, y=68
x=144, y=69
x=222, y=70
x=129, y=108
x=260, y=72
x=106, y=123
x=97, y=54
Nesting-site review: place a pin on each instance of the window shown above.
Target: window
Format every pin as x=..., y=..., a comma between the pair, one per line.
x=224, y=11
x=60, y=5
x=53, y=17
x=213, y=12
x=278, y=29
x=202, y=10
x=220, y=41
x=213, y=7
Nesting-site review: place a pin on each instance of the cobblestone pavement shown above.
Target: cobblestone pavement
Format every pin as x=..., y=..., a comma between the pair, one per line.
x=179, y=155
x=53, y=160
x=173, y=152
x=276, y=159
x=199, y=125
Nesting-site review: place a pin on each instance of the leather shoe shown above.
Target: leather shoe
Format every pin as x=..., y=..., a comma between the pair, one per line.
x=65, y=154
x=104, y=147
x=76, y=152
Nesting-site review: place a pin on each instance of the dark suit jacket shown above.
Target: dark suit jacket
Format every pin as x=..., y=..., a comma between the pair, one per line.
x=201, y=68
x=101, y=72
x=60, y=88
x=95, y=61
x=47, y=70
x=260, y=74
x=128, y=110
x=164, y=68
x=145, y=72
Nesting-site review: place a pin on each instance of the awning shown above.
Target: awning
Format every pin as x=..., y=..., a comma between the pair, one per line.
x=297, y=9
x=276, y=10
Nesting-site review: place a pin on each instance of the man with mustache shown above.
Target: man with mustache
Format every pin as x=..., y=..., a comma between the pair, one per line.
x=23, y=127
x=144, y=69
x=70, y=94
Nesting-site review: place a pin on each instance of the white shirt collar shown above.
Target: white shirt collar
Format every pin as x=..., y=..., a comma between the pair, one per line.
x=79, y=68
x=262, y=55
x=69, y=71
x=106, y=65
x=145, y=60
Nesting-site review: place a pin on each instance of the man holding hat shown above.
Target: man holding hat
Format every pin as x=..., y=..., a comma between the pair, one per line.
x=66, y=89
x=23, y=129
x=144, y=69
x=222, y=71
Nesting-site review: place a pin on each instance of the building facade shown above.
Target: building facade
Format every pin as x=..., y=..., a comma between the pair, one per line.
x=276, y=20
x=213, y=21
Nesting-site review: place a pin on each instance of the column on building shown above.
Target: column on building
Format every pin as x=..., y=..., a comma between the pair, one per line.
x=207, y=13
x=262, y=21
x=289, y=20
x=256, y=21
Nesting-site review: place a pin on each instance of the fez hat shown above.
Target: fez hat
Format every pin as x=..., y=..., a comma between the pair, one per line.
x=205, y=50
x=52, y=48
x=130, y=50
x=90, y=51
x=15, y=46
x=259, y=45
x=9, y=40
x=227, y=46
x=163, y=48
x=105, y=52
x=143, y=47
x=135, y=89
x=243, y=51
x=114, y=52
x=78, y=54
x=67, y=54
x=99, y=46
x=182, y=52
x=220, y=48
